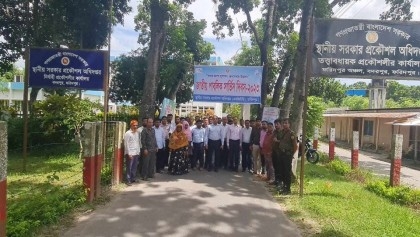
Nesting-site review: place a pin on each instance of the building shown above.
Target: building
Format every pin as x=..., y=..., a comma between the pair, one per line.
x=187, y=109
x=12, y=95
x=376, y=127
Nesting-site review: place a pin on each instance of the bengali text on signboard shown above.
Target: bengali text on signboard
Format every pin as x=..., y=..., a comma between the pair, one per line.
x=366, y=49
x=228, y=84
x=64, y=68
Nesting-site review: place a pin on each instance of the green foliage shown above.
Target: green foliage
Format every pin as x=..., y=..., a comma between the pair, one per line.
x=327, y=88
x=65, y=112
x=234, y=110
x=81, y=24
x=358, y=85
x=339, y=167
x=316, y=109
x=50, y=189
x=400, y=194
x=356, y=102
x=341, y=207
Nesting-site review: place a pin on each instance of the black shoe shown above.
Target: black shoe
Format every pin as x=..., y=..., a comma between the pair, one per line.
x=216, y=170
x=243, y=170
x=128, y=183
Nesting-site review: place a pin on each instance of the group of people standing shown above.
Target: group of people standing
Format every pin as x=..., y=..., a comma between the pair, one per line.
x=211, y=143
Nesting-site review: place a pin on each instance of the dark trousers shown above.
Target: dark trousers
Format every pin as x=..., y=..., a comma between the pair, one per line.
x=131, y=168
x=234, y=151
x=262, y=164
x=286, y=169
x=277, y=166
x=246, y=156
x=160, y=160
x=224, y=156
x=198, y=154
x=148, y=165
x=214, y=148
x=166, y=153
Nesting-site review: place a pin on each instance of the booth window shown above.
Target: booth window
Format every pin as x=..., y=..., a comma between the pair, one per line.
x=368, y=128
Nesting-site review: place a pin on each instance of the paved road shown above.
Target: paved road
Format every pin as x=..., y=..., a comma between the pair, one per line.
x=200, y=203
x=378, y=164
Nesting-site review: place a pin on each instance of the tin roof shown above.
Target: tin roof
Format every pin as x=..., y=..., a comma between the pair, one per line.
x=393, y=115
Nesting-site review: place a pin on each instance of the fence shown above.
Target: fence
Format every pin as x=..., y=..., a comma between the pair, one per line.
x=56, y=180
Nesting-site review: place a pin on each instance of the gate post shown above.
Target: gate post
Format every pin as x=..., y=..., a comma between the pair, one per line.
x=118, y=154
x=355, y=151
x=397, y=142
x=98, y=158
x=3, y=177
x=331, y=151
x=89, y=160
x=316, y=137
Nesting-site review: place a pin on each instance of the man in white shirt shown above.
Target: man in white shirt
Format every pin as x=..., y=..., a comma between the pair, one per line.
x=160, y=141
x=234, y=135
x=214, y=145
x=225, y=151
x=246, y=143
x=198, y=137
x=131, y=151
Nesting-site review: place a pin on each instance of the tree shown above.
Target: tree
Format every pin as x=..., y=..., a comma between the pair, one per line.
x=356, y=102
x=184, y=46
x=154, y=17
x=328, y=89
x=316, y=108
x=41, y=23
x=358, y=85
x=277, y=15
x=65, y=112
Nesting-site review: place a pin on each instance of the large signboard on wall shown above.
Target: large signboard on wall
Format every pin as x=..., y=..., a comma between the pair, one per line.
x=228, y=84
x=366, y=49
x=65, y=68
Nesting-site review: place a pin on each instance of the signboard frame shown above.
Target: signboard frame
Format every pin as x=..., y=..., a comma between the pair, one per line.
x=373, y=49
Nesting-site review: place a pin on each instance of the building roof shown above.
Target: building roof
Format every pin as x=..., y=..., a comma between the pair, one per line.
x=392, y=115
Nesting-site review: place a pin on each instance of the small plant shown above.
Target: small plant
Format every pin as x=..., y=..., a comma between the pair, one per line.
x=401, y=194
x=339, y=166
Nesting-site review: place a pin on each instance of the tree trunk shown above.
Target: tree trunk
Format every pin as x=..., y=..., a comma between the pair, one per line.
x=301, y=66
x=285, y=69
x=175, y=88
x=288, y=94
x=157, y=30
x=271, y=5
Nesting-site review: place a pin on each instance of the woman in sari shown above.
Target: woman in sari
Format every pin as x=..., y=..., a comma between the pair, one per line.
x=178, y=144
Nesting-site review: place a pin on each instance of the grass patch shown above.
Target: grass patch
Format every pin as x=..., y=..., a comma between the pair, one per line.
x=51, y=188
x=335, y=205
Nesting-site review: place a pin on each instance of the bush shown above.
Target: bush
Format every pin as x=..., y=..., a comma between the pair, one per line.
x=339, y=166
x=401, y=194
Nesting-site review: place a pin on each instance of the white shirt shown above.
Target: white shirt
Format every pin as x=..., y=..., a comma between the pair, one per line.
x=246, y=134
x=198, y=135
x=160, y=137
x=215, y=132
x=166, y=128
x=131, y=143
x=234, y=132
x=224, y=130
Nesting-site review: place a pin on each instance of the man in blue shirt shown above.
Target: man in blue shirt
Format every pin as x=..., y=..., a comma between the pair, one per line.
x=198, y=135
x=214, y=138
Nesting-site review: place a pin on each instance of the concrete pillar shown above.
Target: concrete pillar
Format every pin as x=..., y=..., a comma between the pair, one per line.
x=355, y=151
x=118, y=160
x=3, y=177
x=331, y=151
x=396, y=160
x=99, y=141
x=316, y=137
x=89, y=151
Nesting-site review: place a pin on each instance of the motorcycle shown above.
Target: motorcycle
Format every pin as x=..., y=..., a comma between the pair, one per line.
x=311, y=154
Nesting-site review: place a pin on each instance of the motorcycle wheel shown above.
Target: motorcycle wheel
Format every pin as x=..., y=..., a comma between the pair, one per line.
x=312, y=157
